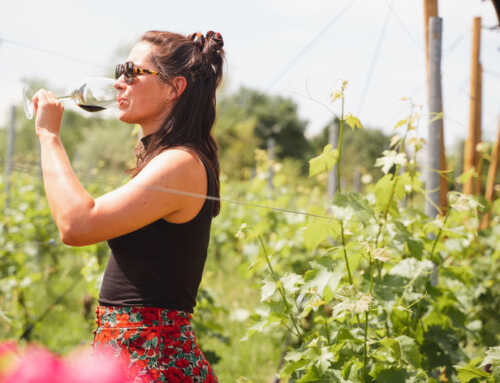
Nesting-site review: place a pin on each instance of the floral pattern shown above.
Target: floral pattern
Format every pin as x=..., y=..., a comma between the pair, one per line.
x=157, y=344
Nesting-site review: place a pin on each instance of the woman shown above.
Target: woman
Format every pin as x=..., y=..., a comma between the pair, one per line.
x=158, y=236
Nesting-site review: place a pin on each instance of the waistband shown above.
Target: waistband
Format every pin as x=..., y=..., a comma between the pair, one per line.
x=140, y=316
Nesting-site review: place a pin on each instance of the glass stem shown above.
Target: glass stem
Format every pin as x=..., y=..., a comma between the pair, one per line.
x=67, y=97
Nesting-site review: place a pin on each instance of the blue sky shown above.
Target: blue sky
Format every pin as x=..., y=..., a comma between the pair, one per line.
x=261, y=38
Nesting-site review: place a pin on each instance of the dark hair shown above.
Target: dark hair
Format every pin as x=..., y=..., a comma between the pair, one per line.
x=199, y=59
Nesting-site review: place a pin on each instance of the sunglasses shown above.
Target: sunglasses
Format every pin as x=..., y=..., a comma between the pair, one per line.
x=130, y=71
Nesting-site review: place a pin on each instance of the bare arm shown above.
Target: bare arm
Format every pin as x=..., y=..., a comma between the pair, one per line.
x=68, y=200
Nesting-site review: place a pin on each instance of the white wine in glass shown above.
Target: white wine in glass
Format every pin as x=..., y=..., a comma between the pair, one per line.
x=95, y=94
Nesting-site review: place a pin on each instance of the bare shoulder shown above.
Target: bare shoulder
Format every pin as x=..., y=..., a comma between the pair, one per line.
x=176, y=163
x=179, y=157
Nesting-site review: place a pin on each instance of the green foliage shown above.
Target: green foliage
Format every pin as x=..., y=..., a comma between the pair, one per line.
x=378, y=292
x=492, y=362
x=105, y=148
x=237, y=144
x=361, y=148
x=35, y=273
x=271, y=116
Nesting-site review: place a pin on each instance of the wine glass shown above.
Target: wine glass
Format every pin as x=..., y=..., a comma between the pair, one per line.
x=93, y=95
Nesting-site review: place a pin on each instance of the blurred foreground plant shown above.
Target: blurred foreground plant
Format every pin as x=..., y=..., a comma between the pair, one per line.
x=34, y=364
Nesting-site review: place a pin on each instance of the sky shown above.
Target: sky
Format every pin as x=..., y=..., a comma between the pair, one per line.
x=297, y=49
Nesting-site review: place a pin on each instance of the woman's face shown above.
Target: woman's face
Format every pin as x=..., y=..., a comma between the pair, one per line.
x=147, y=101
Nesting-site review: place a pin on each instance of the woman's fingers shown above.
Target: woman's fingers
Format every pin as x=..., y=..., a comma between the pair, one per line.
x=46, y=97
x=36, y=99
x=48, y=109
x=51, y=97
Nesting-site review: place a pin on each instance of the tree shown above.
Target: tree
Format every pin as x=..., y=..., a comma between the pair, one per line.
x=273, y=117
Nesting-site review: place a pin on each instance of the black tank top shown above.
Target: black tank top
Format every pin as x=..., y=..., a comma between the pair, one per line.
x=160, y=264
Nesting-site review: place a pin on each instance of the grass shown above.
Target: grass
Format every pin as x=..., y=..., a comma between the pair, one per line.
x=255, y=359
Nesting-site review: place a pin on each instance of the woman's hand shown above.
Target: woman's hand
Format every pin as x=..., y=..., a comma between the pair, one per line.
x=49, y=111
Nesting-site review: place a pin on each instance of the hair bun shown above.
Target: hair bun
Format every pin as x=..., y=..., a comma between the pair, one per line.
x=213, y=50
x=212, y=55
x=216, y=38
x=198, y=40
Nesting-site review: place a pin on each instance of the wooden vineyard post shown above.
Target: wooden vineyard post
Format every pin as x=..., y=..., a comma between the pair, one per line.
x=431, y=10
x=490, y=183
x=433, y=177
x=479, y=156
x=471, y=157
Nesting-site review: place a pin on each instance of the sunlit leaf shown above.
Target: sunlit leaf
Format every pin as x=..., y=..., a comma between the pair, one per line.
x=466, y=373
x=311, y=375
x=317, y=231
x=400, y=123
x=319, y=278
x=267, y=290
x=325, y=359
x=336, y=96
x=383, y=190
x=255, y=329
x=492, y=360
x=463, y=202
x=492, y=357
x=410, y=268
x=363, y=303
x=394, y=140
x=353, y=122
x=466, y=176
x=389, y=159
x=382, y=254
x=436, y=116
x=291, y=282
x=409, y=350
x=416, y=142
x=324, y=162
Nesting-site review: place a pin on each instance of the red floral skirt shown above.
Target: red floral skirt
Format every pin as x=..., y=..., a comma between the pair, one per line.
x=158, y=345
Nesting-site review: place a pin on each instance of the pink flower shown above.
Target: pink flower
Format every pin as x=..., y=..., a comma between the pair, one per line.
x=36, y=366
x=7, y=347
x=86, y=366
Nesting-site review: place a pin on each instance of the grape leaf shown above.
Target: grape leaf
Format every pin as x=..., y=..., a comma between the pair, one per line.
x=324, y=162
